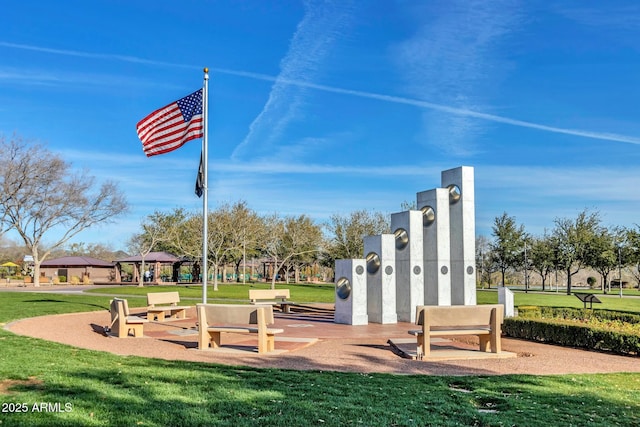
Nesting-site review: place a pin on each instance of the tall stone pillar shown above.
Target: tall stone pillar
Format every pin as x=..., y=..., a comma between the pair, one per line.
x=407, y=229
x=434, y=205
x=460, y=184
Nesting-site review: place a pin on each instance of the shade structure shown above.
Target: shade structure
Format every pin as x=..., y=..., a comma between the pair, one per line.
x=9, y=264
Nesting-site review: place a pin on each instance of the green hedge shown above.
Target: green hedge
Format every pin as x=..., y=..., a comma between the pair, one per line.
x=605, y=330
x=579, y=313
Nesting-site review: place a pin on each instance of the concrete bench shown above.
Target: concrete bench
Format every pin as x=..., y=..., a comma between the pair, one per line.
x=274, y=297
x=122, y=322
x=484, y=321
x=214, y=319
x=160, y=303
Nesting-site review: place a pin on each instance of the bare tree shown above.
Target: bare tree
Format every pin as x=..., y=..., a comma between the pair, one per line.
x=288, y=238
x=41, y=194
x=243, y=234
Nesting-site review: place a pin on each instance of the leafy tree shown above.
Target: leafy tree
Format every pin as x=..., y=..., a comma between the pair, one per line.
x=632, y=251
x=573, y=240
x=40, y=193
x=302, y=240
x=602, y=255
x=541, y=257
x=506, y=250
x=347, y=231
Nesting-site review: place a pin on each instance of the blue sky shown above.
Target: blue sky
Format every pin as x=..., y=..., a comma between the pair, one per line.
x=324, y=107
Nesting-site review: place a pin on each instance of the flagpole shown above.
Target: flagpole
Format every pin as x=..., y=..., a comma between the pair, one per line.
x=205, y=182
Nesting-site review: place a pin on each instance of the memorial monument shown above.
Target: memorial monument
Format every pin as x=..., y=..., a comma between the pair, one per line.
x=428, y=259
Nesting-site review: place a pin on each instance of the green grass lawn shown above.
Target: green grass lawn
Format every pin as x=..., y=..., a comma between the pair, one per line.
x=92, y=388
x=227, y=292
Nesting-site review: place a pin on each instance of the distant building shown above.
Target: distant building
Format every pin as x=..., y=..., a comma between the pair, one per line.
x=153, y=262
x=65, y=268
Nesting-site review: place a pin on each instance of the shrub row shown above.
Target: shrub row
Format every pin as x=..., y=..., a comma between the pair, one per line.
x=572, y=335
x=533, y=311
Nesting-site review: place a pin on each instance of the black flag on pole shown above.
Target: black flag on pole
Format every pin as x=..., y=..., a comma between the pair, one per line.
x=200, y=178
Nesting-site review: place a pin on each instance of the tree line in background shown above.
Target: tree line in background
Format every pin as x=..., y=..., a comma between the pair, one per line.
x=40, y=193
x=237, y=233
x=574, y=244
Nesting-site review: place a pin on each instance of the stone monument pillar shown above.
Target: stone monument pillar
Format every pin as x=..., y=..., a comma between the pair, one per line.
x=381, y=278
x=460, y=183
x=407, y=229
x=351, y=292
x=434, y=205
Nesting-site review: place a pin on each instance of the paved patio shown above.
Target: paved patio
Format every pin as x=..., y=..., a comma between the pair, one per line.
x=311, y=341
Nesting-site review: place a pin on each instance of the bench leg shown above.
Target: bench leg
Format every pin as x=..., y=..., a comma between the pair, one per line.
x=263, y=342
x=496, y=345
x=484, y=342
x=155, y=315
x=422, y=350
x=179, y=314
x=214, y=339
x=136, y=329
x=271, y=342
x=490, y=343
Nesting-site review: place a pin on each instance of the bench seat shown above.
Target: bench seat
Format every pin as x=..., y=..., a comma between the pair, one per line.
x=122, y=322
x=216, y=319
x=274, y=297
x=161, y=303
x=483, y=321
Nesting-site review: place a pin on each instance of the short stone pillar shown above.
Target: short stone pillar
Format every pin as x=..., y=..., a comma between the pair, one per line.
x=351, y=292
x=505, y=297
x=381, y=278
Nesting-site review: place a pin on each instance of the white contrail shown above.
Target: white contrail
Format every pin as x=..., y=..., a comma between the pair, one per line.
x=322, y=23
x=440, y=107
x=605, y=136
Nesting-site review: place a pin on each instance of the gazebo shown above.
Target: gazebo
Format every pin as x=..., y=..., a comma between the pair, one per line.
x=93, y=269
x=155, y=260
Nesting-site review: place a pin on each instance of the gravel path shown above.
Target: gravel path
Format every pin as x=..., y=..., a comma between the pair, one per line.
x=338, y=348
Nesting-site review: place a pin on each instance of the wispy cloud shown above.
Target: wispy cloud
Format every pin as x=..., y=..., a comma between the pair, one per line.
x=415, y=102
x=91, y=55
x=52, y=78
x=626, y=17
x=322, y=24
x=454, y=59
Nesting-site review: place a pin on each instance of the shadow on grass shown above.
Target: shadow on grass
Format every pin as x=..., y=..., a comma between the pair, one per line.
x=135, y=391
x=58, y=301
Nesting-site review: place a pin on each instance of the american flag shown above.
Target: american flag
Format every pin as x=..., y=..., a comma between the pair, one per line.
x=170, y=127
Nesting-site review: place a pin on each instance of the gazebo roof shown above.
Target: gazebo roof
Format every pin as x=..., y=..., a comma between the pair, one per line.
x=76, y=261
x=162, y=257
